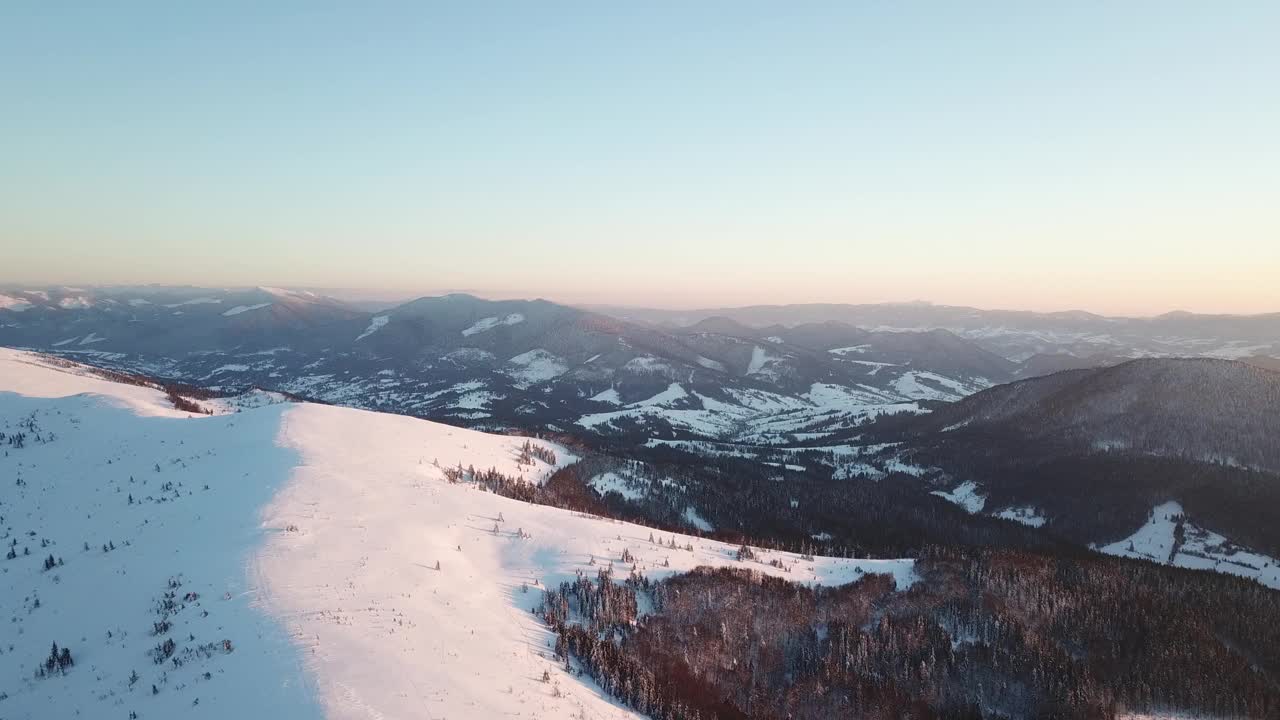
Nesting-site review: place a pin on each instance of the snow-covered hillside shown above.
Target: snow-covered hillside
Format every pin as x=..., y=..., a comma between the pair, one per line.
x=1170, y=537
x=148, y=515
x=305, y=561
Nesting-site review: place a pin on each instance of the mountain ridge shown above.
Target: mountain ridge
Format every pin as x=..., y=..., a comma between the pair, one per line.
x=506, y=362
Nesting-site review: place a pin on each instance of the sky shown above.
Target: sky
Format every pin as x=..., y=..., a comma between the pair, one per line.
x=1115, y=157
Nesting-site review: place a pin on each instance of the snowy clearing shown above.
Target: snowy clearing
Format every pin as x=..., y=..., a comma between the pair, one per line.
x=1201, y=549
x=759, y=358
x=919, y=385
x=490, y=323
x=239, y=309
x=965, y=495
x=608, y=396
x=536, y=366
x=193, y=301
x=1029, y=516
x=608, y=482
x=673, y=393
x=376, y=324
x=710, y=364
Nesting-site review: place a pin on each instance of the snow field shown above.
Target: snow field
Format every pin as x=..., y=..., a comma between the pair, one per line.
x=89, y=447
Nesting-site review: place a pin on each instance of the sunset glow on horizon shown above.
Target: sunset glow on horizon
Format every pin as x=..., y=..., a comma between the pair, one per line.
x=1115, y=159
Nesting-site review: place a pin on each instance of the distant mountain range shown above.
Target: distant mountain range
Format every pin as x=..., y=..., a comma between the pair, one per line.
x=1072, y=338
x=763, y=374
x=510, y=363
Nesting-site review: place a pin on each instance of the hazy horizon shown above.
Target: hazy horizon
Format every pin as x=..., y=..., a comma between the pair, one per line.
x=1123, y=160
x=392, y=297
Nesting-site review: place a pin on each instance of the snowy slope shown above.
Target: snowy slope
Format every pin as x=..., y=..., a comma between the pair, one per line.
x=966, y=495
x=375, y=324
x=310, y=536
x=90, y=445
x=39, y=376
x=1200, y=549
x=358, y=583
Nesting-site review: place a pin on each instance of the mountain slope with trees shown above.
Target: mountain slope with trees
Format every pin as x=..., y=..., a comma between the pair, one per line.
x=1095, y=450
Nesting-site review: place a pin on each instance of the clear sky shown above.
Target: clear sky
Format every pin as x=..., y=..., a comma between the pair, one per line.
x=1112, y=156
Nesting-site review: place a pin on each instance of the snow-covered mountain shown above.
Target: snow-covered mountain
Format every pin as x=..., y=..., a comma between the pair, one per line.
x=265, y=558
x=166, y=321
x=500, y=364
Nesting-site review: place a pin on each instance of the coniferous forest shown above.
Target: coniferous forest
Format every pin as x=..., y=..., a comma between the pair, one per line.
x=986, y=633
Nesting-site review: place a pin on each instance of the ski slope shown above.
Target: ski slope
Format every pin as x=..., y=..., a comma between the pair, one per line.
x=309, y=536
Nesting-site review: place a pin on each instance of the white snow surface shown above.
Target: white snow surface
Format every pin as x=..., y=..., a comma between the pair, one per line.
x=1026, y=515
x=941, y=388
x=254, y=398
x=965, y=495
x=193, y=301
x=710, y=364
x=607, y=482
x=490, y=323
x=536, y=366
x=311, y=534
x=648, y=365
x=40, y=376
x=1201, y=549
x=673, y=393
x=74, y=303
x=851, y=350
x=8, y=302
x=693, y=518
x=95, y=436
x=283, y=293
x=608, y=396
x=239, y=309
x=841, y=396
x=376, y=324
x=759, y=358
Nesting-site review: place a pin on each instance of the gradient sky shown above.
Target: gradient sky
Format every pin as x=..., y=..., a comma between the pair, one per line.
x=1119, y=157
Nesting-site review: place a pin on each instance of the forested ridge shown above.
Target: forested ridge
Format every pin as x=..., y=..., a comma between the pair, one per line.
x=984, y=633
